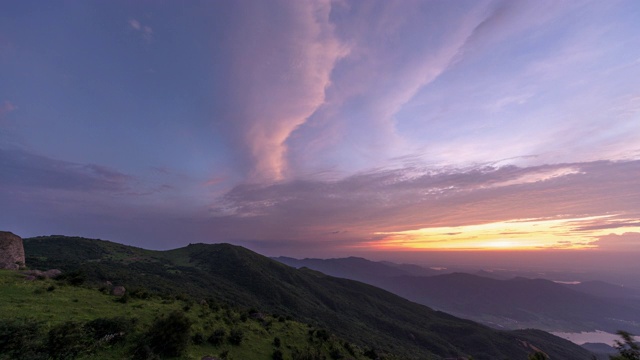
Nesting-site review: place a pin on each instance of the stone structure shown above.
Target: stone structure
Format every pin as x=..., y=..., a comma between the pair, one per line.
x=11, y=251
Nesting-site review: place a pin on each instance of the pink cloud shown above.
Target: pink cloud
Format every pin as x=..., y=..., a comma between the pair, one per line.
x=280, y=71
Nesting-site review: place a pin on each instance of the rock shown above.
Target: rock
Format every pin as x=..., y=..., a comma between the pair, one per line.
x=49, y=274
x=209, y=358
x=11, y=251
x=36, y=273
x=118, y=291
x=52, y=273
x=30, y=278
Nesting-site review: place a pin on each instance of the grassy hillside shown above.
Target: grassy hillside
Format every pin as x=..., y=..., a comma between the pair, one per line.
x=33, y=310
x=360, y=313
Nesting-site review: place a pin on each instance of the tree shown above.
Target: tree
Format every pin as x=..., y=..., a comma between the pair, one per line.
x=628, y=348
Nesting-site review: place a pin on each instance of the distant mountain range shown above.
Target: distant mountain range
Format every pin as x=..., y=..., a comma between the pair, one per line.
x=513, y=304
x=353, y=310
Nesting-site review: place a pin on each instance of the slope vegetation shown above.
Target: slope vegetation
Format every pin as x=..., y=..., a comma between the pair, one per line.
x=363, y=314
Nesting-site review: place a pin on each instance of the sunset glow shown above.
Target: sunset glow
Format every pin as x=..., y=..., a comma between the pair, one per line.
x=521, y=234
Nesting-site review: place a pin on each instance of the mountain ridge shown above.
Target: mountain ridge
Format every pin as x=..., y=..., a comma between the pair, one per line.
x=511, y=303
x=354, y=310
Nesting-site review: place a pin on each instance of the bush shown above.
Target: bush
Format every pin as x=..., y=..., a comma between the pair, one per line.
x=66, y=341
x=236, y=336
x=140, y=293
x=307, y=354
x=277, y=355
x=110, y=330
x=322, y=334
x=335, y=354
x=168, y=336
x=74, y=278
x=197, y=339
x=217, y=337
x=21, y=339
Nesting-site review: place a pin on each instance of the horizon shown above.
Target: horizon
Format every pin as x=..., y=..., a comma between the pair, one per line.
x=480, y=131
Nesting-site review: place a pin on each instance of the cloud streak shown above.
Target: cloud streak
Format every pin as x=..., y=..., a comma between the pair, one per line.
x=280, y=70
x=368, y=206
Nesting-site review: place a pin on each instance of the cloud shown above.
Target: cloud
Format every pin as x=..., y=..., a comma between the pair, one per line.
x=394, y=200
x=145, y=30
x=135, y=24
x=629, y=241
x=21, y=169
x=6, y=107
x=387, y=65
x=279, y=71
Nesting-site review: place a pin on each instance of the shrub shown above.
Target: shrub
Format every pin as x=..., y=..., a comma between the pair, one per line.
x=307, y=354
x=217, y=337
x=236, y=336
x=123, y=299
x=140, y=293
x=21, y=339
x=74, y=278
x=197, y=339
x=322, y=334
x=335, y=354
x=66, y=341
x=276, y=342
x=169, y=336
x=277, y=355
x=109, y=330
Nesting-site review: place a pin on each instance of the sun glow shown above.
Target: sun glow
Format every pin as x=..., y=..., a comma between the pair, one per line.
x=517, y=234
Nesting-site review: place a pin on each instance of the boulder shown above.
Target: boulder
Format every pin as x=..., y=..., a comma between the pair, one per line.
x=11, y=251
x=118, y=291
x=52, y=273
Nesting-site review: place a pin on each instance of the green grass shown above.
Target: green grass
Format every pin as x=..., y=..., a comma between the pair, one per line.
x=51, y=303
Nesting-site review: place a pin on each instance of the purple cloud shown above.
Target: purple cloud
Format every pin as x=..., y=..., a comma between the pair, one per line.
x=279, y=72
x=21, y=169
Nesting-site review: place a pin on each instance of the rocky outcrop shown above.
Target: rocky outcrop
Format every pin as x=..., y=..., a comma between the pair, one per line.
x=11, y=251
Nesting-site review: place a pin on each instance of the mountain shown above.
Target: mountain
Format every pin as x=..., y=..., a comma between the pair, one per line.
x=356, y=268
x=605, y=289
x=43, y=318
x=355, y=311
x=600, y=350
x=517, y=303
x=504, y=303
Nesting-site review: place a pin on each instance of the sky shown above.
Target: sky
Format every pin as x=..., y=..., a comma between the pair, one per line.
x=324, y=128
